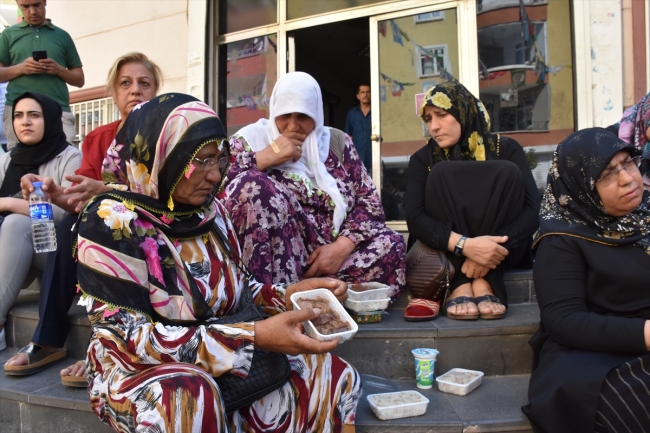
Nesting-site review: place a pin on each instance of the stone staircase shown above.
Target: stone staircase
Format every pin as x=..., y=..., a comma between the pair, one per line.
x=381, y=352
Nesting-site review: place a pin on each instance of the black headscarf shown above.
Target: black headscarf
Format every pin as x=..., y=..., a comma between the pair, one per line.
x=571, y=204
x=27, y=158
x=476, y=142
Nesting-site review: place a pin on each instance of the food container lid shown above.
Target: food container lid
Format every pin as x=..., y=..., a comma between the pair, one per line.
x=425, y=353
x=474, y=373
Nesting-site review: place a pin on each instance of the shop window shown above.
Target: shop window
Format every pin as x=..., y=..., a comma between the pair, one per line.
x=525, y=71
x=429, y=16
x=237, y=15
x=248, y=74
x=305, y=8
x=433, y=59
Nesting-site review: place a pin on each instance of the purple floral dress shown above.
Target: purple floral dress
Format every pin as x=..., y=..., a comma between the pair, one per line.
x=281, y=219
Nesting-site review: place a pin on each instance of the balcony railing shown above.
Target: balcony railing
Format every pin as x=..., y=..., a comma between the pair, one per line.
x=92, y=114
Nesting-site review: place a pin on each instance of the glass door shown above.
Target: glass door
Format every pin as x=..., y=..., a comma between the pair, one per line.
x=410, y=51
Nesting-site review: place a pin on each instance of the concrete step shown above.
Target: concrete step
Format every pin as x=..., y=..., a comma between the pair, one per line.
x=492, y=407
x=495, y=347
x=39, y=403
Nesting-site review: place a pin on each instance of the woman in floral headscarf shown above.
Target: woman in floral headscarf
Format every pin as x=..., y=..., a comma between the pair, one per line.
x=156, y=269
x=302, y=201
x=592, y=269
x=471, y=194
x=634, y=128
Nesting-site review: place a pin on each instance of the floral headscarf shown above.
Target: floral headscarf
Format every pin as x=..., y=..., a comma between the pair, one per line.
x=632, y=127
x=571, y=204
x=476, y=142
x=129, y=239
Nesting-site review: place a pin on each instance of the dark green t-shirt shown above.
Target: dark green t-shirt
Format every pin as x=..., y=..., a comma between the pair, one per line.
x=16, y=45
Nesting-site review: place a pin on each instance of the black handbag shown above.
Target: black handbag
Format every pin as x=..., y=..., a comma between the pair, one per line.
x=269, y=370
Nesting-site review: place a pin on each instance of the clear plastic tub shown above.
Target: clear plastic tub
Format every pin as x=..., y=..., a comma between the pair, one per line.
x=363, y=306
x=369, y=292
x=367, y=316
x=335, y=305
x=459, y=381
x=401, y=404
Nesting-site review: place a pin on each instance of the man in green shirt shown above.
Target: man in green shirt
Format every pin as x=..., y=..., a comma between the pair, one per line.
x=48, y=76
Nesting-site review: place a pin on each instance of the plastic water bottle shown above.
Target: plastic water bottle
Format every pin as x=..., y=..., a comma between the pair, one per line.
x=40, y=212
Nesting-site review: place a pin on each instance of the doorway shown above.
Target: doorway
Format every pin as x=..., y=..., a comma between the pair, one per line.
x=337, y=55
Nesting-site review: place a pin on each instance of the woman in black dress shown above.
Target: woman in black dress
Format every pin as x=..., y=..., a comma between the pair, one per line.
x=472, y=194
x=592, y=274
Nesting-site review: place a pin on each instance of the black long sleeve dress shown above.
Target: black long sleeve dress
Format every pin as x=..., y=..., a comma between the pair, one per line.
x=434, y=233
x=594, y=300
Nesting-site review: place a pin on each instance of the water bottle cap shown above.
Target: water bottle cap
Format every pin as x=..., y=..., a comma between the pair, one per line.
x=37, y=184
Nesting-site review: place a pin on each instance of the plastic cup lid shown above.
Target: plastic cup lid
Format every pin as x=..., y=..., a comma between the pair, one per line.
x=424, y=353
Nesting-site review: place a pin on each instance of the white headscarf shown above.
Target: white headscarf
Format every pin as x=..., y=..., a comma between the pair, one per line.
x=298, y=92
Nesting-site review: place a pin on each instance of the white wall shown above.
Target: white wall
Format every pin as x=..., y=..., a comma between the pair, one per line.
x=105, y=29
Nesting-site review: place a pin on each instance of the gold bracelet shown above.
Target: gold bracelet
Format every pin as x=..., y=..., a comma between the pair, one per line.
x=275, y=147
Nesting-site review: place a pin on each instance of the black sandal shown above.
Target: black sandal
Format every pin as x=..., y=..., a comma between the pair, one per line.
x=494, y=300
x=459, y=301
x=38, y=359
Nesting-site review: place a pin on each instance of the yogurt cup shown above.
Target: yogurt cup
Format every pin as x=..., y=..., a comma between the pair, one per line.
x=425, y=362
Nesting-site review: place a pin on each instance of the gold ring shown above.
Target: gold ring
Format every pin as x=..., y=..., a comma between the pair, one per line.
x=275, y=147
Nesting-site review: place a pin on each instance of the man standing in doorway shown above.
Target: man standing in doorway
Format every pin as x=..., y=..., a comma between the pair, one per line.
x=58, y=64
x=358, y=126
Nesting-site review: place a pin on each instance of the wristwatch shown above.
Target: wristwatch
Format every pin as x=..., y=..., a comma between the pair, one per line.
x=458, y=249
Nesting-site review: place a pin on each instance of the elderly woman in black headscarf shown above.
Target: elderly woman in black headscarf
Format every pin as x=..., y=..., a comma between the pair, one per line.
x=42, y=149
x=159, y=264
x=592, y=274
x=471, y=194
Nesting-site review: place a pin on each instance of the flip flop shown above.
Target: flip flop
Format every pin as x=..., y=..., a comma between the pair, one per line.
x=38, y=359
x=489, y=316
x=420, y=310
x=460, y=300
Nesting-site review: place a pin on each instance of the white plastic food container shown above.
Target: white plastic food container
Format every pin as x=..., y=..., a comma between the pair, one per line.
x=363, y=306
x=401, y=404
x=373, y=291
x=335, y=305
x=459, y=381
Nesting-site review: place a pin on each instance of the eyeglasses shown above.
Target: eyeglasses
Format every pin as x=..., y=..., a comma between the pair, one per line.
x=631, y=166
x=209, y=164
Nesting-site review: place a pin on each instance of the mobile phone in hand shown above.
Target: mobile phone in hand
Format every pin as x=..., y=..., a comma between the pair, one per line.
x=39, y=55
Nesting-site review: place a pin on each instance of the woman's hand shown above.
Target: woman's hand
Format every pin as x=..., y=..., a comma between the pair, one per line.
x=27, y=186
x=485, y=250
x=471, y=269
x=327, y=259
x=283, y=333
x=337, y=287
x=290, y=149
x=85, y=189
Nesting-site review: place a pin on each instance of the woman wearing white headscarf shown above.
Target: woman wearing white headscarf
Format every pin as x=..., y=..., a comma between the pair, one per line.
x=302, y=201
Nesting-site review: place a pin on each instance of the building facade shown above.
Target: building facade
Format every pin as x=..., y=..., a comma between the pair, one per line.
x=543, y=68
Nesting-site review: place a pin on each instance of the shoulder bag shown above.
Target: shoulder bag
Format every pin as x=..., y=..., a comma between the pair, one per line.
x=428, y=272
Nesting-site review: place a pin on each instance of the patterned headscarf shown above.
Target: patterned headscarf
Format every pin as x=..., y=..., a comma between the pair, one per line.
x=571, y=204
x=632, y=128
x=128, y=239
x=476, y=142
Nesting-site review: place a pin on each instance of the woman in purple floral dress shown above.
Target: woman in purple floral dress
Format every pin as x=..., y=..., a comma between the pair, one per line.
x=302, y=201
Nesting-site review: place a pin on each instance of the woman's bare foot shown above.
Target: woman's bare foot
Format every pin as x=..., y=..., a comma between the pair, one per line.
x=481, y=287
x=21, y=358
x=466, y=309
x=78, y=369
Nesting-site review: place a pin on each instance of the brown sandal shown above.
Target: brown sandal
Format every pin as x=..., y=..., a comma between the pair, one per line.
x=38, y=359
x=75, y=381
